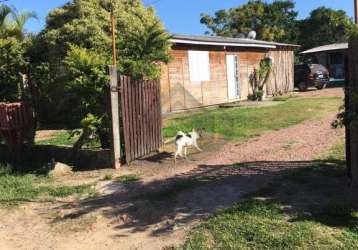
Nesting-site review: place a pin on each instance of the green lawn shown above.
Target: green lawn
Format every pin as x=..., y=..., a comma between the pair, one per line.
x=242, y=123
x=235, y=123
x=62, y=138
x=17, y=188
x=311, y=210
x=68, y=138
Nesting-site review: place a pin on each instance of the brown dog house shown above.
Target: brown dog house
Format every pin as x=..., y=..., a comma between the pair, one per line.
x=208, y=70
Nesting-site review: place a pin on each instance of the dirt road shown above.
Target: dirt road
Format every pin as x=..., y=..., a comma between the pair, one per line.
x=159, y=210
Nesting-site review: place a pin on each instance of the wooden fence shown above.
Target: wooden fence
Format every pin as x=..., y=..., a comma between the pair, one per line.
x=141, y=116
x=16, y=125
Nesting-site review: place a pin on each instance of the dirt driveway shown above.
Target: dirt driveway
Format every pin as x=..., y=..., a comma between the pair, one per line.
x=169, y=200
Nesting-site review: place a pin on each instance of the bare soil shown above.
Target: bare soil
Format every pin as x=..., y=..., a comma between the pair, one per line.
x=327, y=92
x=169, y=200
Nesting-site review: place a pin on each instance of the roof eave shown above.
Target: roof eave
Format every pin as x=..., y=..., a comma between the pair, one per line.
x=251, y=45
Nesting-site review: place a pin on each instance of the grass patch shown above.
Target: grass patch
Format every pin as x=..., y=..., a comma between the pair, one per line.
x=329, y=164
x=63, y=138
x=65, y=191
x=243, y=123
x=16, y=188
x=281, y=98
x=300, y=212
x=258, y=224
x=107, y=177
x=336, y=153
x=125, y=179
x=68, y=138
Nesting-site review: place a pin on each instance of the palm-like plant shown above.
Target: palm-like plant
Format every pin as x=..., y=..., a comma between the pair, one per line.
x=18, y=22
x=259, y=78
x=4, y=13
x=12, y=23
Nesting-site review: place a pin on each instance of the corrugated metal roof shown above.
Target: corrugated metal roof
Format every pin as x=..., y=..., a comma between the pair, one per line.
x=225, y=41
x=329, y=47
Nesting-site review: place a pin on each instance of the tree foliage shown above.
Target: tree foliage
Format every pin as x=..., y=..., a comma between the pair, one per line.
x=324, y=26
x=259, y=78
x=12, y=23
x=12, y=52
x=141, y=38
x=272, y=21
x=12, y=62
x=70, y=57
x=87, y=83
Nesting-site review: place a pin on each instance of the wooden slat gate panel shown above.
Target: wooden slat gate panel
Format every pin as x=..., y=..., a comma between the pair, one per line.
x=16, y=123
x=141, y=116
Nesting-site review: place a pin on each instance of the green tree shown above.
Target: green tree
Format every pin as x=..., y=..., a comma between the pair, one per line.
x=325, y=26
x=65, y=66
x=4, y=13
x=272, y=21
x=16, y=25
x=12, y=62
x=141, y=38
x=12, y=23
x=12, y=52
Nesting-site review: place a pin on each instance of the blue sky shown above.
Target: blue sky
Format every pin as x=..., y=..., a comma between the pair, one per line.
x=179, y=16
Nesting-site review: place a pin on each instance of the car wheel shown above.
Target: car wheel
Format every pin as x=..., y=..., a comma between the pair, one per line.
x=302, y=86
x=321, y=86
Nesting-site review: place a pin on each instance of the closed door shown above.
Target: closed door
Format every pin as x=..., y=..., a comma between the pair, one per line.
x=233, y=76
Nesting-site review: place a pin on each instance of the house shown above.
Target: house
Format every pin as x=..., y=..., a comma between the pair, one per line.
x=209, y=70
x=332, y=56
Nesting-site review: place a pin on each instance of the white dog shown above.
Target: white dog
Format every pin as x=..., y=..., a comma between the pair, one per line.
x=185, y=140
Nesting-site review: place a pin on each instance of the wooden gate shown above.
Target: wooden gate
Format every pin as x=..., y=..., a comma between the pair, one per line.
x=141, y=116
x=16, y=125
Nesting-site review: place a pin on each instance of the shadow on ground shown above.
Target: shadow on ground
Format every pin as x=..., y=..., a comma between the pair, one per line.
x=163, y=205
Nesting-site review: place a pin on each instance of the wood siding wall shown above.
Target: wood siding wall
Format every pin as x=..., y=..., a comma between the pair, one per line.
x=282, y=76
x=179, y=93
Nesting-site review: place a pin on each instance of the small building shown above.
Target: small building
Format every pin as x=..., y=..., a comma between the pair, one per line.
x=332, y=56
x=209, y=70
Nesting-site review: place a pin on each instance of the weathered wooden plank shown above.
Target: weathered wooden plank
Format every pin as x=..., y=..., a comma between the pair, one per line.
x=141, y=109
x=116, y=142
x=146, y=115
x=152, y=118
x=142, y=149
x=159, y=118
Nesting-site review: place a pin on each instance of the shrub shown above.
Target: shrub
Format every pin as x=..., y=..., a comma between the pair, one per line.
x=259, y=78
x=12, y=62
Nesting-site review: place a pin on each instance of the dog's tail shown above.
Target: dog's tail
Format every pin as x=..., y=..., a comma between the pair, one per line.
x=170, y=140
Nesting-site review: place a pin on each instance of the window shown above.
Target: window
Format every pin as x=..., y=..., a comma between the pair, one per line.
x=199, y=66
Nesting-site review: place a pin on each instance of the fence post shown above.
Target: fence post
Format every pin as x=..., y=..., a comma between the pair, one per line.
x=353, y=108
x=116, y=141
x=347, y=127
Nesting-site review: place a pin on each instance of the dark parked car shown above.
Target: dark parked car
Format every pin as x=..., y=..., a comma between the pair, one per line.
x=311, y=75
